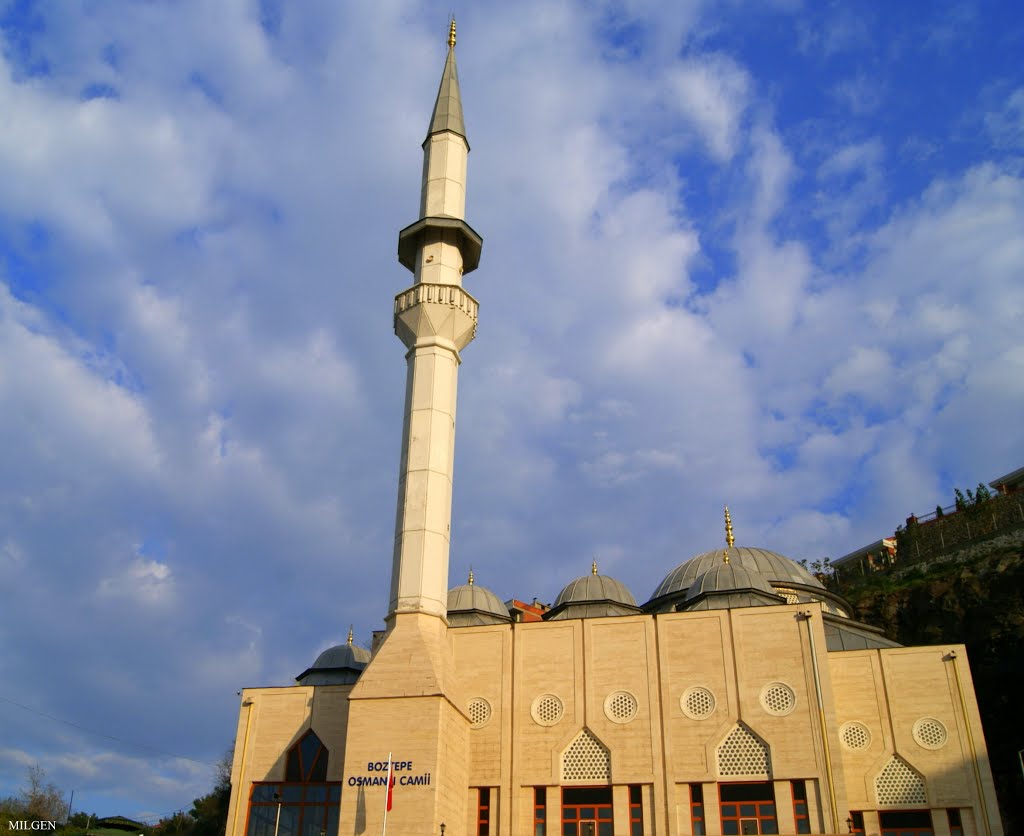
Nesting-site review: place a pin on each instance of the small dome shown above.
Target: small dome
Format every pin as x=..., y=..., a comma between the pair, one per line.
x=595, y=588
x=775, y=568
x=472, y=604
x=343, y=656
x=727, y=577
x=592, y=596
x=338, y=665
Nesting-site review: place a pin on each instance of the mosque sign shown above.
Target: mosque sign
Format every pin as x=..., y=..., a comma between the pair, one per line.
x=378, y=775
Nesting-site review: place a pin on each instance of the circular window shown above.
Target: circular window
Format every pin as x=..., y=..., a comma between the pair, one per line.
x=479, y=712
x=621, y=707
x=930, y=733
x=547, y=710
x=697, y=703
x=855, y=736
x=778, y=699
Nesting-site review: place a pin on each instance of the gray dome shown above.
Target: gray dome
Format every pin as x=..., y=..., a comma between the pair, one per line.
x=773, y=567
x=343, y=656
x=594, y=587
x=593, y=596
x=338, y=665
x=727, y=577
x=472, y=604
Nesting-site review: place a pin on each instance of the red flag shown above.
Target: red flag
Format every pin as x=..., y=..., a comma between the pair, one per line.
x=391, y=781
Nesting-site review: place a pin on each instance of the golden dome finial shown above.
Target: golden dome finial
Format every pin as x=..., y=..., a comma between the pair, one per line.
x=725, y=555
x=470, y=581
x=729, y=539
x=350, y=634
x=593, y=567
x=451, y=33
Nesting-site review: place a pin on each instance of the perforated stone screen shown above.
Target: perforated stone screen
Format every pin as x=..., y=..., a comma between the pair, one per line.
x=930, y=733
x=899, y=784
x=621, y=707
x=697, y=703
x=778, y=699
x=586, y=760
x=741, y=753
x=790, y=596
x=855, y=736
x=479, y=712
x=547, y=710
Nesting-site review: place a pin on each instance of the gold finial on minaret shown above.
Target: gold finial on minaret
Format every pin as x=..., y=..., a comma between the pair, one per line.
x=470, y=581
x=593, y=567
x=350, y=634
x=451, y=33
x=729, y=539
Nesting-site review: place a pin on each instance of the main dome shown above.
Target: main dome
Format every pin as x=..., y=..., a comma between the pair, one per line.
x=777, y=569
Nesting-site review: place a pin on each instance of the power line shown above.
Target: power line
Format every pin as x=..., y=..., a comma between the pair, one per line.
x=142, y=746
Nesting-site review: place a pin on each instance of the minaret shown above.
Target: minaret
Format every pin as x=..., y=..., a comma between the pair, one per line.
x=409, y=700
x=435, y=319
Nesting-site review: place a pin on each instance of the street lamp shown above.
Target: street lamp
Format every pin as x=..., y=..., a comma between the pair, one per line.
x=277, y=821
x=849, y=824
x=442, y=828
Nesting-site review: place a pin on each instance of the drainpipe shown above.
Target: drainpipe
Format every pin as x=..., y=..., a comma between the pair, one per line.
x=241, y=766
x=809, y=619
x=951, y=658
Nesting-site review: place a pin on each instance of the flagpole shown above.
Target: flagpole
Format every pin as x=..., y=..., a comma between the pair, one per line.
x=387, y=798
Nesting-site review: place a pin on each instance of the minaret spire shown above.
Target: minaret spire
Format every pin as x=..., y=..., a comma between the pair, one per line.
x=436, y=320
x=729, y=539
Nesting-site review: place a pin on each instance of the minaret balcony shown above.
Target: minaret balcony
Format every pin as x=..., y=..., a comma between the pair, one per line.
x=411, y=238
x=436, y=312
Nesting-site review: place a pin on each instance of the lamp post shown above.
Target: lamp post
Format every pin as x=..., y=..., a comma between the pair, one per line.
x=442, y=828
x=277, y=821
x=849, y=824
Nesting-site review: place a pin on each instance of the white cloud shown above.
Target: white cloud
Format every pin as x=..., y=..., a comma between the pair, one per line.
x=712, y=91
x=147, y=582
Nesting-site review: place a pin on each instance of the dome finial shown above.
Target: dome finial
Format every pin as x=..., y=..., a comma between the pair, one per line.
x=470, y=581
x=593, y=567
x=451, y=33
x=725, y=556
x=729, y=539
x=350, y=634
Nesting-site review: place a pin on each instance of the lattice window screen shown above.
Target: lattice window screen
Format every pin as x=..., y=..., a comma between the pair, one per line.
x=741, y=753
x=586, y=759
x=898, y=783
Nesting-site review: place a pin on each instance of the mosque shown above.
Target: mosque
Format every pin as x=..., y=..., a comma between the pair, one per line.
x=741, y=698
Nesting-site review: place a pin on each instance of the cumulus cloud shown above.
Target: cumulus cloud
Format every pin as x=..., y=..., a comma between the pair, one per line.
x=712, y=92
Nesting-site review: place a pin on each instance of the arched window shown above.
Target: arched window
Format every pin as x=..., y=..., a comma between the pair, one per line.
x=307, y=760
x=305, y=804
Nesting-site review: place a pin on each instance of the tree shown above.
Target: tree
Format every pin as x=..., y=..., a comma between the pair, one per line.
x=209, y=814
x=42, y=800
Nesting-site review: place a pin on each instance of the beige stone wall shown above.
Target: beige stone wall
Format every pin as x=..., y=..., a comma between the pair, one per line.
x=271, y=721
x=414, y=698
x=890, y=692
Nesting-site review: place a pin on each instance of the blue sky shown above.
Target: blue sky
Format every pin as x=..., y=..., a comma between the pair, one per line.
x=763, y=254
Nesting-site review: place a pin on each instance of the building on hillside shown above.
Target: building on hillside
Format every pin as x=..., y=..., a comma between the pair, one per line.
x=741, y=697
x=1010, y=483
x=870, y=558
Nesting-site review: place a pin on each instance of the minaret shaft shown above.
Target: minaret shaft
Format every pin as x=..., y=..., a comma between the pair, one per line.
x=436, y=319
x=419, y=575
